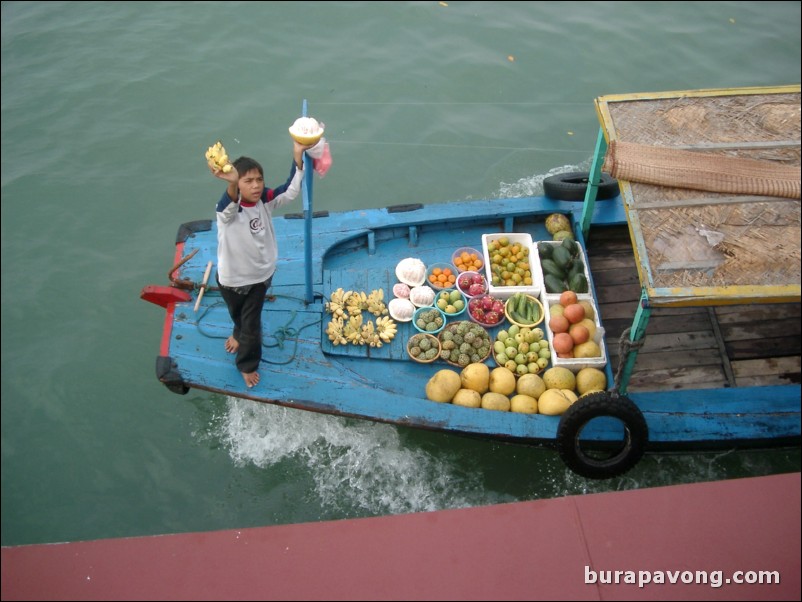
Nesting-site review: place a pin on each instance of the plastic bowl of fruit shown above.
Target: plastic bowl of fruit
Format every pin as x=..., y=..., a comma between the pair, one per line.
x=424, y=348
x=524, y=310
x=467, y=259
x=486, y=310
x=472, y=284
x=452, y=302
x=441, y=276
x=429, y=320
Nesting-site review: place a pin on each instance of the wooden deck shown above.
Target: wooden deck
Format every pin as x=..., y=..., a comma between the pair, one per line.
x=692, y=347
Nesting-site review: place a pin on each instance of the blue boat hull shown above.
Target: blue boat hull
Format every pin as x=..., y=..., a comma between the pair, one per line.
x=358, y=250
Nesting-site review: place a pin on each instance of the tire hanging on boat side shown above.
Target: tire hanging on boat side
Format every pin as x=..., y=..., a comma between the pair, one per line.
x=572, y=186
x=597, y=405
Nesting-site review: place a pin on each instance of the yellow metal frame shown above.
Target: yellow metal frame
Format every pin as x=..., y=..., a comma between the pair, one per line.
x=687, y=296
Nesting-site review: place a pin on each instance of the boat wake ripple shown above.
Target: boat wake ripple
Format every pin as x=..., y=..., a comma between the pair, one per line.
x=356, y=466
x=533, y=185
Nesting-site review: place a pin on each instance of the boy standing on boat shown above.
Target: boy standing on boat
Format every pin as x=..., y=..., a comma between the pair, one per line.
x=247, y=251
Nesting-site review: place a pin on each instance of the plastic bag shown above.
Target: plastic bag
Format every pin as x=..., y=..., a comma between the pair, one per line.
x=321, y=156
x=323, y=164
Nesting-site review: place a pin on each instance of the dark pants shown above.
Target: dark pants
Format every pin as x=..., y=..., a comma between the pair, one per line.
x=245, y=309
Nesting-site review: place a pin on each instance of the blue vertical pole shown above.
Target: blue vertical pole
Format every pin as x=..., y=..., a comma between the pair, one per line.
x=594, y=178
x=636, y=334
x=307, y=199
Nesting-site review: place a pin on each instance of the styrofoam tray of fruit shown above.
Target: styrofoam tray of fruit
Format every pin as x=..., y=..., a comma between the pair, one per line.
x=586, y=334
x=563, y=267
x=525, y=275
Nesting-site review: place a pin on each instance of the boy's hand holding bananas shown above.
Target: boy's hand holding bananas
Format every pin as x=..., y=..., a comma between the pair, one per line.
x=217, y=158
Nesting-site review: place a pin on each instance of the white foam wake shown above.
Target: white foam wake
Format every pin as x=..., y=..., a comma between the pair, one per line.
x=354, y=464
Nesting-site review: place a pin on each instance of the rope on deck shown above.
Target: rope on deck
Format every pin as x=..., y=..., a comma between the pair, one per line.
x=282, y=334
x=625, y=347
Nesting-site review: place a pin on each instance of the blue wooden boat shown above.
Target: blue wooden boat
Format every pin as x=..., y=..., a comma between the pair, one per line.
x=598, y=437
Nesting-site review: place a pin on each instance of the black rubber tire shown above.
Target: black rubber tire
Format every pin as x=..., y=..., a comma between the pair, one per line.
x=572, y=186
x=596, y=405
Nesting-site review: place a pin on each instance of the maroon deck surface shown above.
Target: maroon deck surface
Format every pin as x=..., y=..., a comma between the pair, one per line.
x=539, y=550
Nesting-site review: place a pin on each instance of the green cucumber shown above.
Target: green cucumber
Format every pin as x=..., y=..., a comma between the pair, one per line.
x=522, y=303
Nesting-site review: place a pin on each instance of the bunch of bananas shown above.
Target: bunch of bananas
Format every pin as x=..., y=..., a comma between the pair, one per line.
x=353, y=330
x=336, y=305
x=386, y=329
x=353, y=303
x=347, y=325
x=217, y=158
x=335, y=331
x=375, y=303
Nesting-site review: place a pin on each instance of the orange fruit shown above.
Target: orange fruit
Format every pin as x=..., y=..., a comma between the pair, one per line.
x=567, y=298
x=559, y=324
x=563, y=343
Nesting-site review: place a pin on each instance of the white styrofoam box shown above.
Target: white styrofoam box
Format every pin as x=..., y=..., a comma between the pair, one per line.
x=505, y=292
x=582, y=255
x=575, y=364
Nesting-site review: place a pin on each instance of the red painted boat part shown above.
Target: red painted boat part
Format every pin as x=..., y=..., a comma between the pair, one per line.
x=539, y=550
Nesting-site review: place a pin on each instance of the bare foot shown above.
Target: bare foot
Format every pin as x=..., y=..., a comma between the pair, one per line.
x=251, y=378
x=232, y=344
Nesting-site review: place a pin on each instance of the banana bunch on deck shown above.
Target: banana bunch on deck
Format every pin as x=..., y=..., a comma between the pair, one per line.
x=217, y=158
x=347, y=325
x=352, y=303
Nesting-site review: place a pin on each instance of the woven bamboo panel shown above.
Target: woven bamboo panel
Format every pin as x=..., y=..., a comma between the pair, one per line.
x=696, y=238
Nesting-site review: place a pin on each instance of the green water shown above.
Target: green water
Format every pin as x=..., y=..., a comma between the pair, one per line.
x=107, y=109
